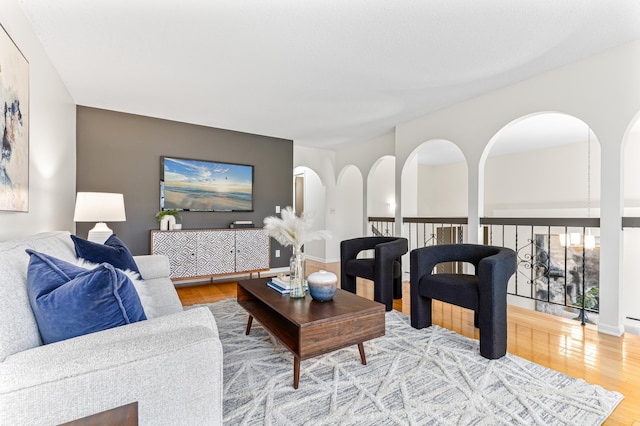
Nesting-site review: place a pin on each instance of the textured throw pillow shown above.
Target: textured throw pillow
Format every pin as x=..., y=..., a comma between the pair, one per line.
x=113, y=251
x=68, y=300
x=146, y=295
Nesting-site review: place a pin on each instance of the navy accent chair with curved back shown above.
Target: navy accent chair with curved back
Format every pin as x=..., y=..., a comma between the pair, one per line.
x=484, y=292
x=385, y=269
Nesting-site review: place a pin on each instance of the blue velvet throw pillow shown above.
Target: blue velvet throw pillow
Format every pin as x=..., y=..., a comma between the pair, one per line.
x=69, y=301
x=113, y=251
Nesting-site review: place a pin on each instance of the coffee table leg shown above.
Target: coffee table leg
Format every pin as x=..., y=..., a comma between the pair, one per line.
x=362, y=357
x=249, y=325
x=296, y=372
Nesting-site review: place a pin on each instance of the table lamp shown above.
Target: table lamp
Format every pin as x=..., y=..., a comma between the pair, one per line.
x=99, y=207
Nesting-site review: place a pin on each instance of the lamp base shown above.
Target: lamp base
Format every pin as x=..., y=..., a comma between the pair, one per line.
x=99, y=233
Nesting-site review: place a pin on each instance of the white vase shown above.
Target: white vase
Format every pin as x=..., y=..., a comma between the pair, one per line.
x=167, y=223
x=172, y=221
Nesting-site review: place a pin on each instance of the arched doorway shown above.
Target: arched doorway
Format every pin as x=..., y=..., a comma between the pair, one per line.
x=310, y=196
x=434, y=185
x=541, y=177
x=381, y=195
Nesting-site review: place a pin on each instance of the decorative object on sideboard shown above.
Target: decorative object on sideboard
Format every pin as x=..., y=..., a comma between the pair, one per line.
x=99, y=207
x=242, y=224
x=293, y=231
x=167, y=219
x=14, y=96
x=322, y=285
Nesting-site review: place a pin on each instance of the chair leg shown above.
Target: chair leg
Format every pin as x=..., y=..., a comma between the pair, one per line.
x=348, y=283
x=493, y=334
x=476, y=321
x=383, y=293
x=397, y=288
x=420, y=311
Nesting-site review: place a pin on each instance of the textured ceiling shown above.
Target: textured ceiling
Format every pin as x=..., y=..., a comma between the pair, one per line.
x=323, y=73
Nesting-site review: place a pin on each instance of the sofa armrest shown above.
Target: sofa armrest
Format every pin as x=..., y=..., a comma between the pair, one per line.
x=153, y=266
x=157, y=292
x=171, y=365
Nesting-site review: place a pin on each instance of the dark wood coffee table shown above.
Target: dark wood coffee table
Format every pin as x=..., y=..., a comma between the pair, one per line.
x=309, y=328
x=126, y=415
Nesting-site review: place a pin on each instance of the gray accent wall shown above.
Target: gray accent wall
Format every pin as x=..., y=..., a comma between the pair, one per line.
x=119, y=152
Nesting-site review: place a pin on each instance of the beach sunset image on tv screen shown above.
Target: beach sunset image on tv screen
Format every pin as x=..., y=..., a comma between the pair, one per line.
x=199, y=185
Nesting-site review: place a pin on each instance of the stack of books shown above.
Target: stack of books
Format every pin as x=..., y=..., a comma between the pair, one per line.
x=281, y=284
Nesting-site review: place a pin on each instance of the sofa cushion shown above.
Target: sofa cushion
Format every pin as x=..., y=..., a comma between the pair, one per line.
x=69, y=301
x=113, y=251
x=19, y=329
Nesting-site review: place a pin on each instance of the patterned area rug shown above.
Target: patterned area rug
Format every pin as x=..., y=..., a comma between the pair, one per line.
x=431, y=376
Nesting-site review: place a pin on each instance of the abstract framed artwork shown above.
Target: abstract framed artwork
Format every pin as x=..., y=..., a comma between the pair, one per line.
x=14, y=126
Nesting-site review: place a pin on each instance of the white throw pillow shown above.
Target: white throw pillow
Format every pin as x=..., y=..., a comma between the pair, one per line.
x=146, y=297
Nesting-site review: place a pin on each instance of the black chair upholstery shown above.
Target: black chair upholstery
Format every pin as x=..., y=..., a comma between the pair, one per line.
x=385, y=269
x=485, y=292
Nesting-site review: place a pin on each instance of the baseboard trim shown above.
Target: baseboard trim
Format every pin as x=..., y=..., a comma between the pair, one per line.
x=321, y=260
x=611, y=330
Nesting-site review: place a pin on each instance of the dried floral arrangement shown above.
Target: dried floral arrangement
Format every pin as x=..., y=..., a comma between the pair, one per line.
x=292, y=230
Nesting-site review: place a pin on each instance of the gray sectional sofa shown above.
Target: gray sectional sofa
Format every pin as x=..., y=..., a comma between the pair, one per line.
x=171, y=364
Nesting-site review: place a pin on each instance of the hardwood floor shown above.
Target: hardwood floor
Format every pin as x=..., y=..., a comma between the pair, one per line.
x=561, y=344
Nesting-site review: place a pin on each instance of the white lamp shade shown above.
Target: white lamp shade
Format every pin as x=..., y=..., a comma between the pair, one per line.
x=99, y=207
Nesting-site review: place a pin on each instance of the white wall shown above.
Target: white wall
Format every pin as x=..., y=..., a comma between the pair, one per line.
x=550, y=182
x=52, y=147
x=631, y=243
x=546, y=179
x=442, y=190
x=381, y=188
x=632, y=167
x=348, y=210
x=410, y=188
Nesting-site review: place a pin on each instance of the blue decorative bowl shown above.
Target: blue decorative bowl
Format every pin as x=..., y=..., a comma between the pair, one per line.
x=322, y=285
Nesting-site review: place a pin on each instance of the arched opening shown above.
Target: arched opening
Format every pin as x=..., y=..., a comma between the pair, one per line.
x=539, y=166
x=349, y=204
x=541, y=192
x=381, y=195
x=310, y=197
x=434, y=185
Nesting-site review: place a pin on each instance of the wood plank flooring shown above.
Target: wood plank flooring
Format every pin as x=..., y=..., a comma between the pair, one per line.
x=561, y=344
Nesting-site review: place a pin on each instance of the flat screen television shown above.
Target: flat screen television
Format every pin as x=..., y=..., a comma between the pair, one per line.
x=205, y=186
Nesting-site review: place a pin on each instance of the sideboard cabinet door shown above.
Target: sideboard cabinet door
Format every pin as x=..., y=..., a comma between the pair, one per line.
x=180, y=247
x=252, y=250
x=216, y=252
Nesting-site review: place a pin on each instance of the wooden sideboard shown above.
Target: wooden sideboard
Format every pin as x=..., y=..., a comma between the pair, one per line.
x=196, y=253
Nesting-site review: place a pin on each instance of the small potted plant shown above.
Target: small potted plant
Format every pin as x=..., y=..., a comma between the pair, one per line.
x=167, y=219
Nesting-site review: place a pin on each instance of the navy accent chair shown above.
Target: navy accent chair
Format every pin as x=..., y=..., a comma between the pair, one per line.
x=385, y=269
x=485, y=292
